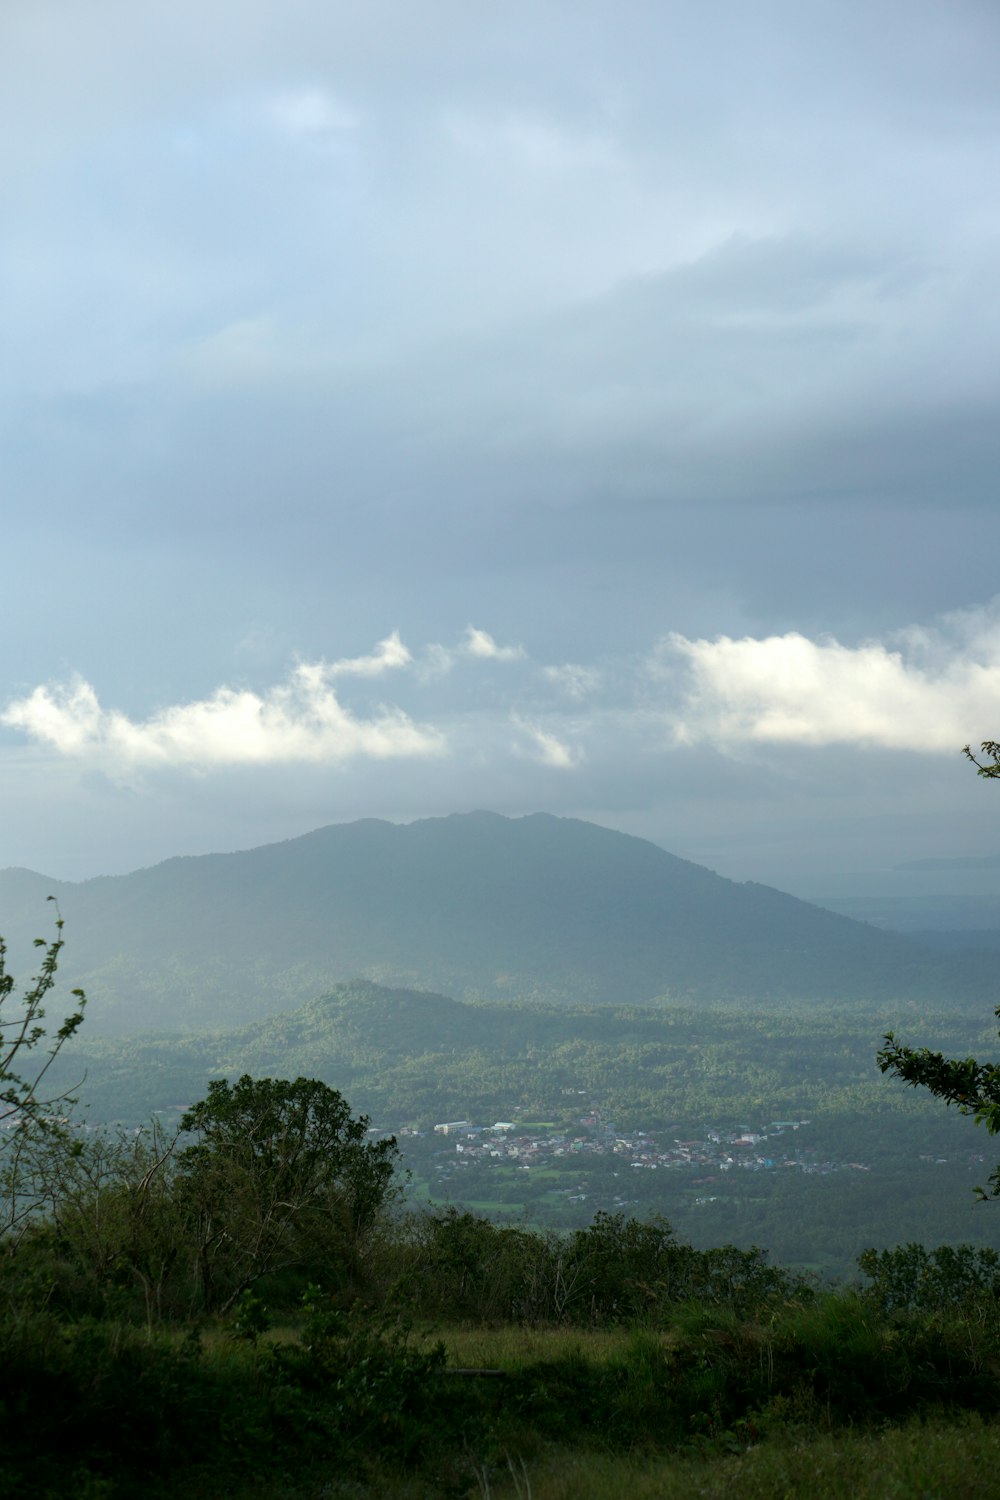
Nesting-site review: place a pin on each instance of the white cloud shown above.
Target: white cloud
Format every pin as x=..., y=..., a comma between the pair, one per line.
x=547, y=749
x=574, y=680
x=388, y=654
x=437, y=660
x=480, y=644
x=923, y=690
x=298, y=721
x=926, y=688
x=301, y=720
x=69, y=718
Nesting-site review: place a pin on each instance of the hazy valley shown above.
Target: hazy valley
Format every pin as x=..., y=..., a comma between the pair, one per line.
x=587, y=975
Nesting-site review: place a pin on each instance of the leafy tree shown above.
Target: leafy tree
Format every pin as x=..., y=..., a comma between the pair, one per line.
x=280, y=1172
x=973, y=1086
x=112, y=1203
x=25, y=1107
x=910, y=1278
x=22, y=1031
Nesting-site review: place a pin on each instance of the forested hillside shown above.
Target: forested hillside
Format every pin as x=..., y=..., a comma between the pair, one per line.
x=476, y=906
x=874, y=1162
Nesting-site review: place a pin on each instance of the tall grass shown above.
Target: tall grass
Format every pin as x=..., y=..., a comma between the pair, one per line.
x=935, y=1460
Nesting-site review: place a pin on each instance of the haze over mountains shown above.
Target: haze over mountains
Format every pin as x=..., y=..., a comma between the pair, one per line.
x=474, y=906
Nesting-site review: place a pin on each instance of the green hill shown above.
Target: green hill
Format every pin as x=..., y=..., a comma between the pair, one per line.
x=414, y=1058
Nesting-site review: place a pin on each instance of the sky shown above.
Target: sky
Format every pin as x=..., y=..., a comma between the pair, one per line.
x=408, y=408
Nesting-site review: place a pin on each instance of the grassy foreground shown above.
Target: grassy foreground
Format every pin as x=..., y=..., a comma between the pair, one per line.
x=934, y=1459
x=834, y=1398
x=922, y=1461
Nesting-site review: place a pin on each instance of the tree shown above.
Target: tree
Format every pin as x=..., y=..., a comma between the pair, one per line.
x=973, y=1086
x=280, y=1169
x=991, y=749
x=111, y=1203
x=22, y=1031
x=25, y=1109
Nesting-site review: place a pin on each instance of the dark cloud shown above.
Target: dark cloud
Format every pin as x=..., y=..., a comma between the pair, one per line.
x=579, y=323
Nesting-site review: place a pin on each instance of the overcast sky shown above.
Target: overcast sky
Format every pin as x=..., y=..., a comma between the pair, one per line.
x=421, y=405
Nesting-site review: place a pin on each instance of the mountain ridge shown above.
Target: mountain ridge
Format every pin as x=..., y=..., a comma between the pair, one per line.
x=473, y=905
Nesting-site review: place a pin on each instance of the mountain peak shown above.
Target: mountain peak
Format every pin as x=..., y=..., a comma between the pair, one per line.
x=474, y=905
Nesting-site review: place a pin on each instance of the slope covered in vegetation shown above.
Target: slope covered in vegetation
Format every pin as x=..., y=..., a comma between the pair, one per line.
x=476, y=906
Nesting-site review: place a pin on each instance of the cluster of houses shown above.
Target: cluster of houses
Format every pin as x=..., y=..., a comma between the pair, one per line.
x=776, y=1146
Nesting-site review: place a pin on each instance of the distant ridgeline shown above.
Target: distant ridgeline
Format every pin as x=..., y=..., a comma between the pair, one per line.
x=406, y=1056
x=476, y=906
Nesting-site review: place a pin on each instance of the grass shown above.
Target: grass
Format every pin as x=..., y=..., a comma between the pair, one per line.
x=934, y=1460
x=418, y=1190
x=509, y=1347
x=820, y=1397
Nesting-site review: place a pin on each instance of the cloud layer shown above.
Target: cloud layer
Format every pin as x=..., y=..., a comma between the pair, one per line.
x=788, y=690
x=928, y=689
x=663, y=348
x=301, y=720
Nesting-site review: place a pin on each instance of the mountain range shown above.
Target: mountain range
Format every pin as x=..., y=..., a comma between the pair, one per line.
x=475, y=906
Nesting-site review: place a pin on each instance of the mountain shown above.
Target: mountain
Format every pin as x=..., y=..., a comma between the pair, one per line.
x=473, y=905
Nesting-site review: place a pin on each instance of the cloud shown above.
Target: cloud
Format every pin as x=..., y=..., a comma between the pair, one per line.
x=477, y=645
x=927, y=690
x=388, y=654
x=547, y=749
x=480, y=644
x=301, y=720
x=574, y=680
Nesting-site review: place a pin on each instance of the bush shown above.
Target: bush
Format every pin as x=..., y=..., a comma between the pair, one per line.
x=909, y=1278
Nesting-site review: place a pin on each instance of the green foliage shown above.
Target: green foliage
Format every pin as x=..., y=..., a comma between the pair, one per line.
x=928, y=1458
x=405, y=1058
x=26, y=1108
x=617, y=1271
x=973, y=1086
x=628, y=1270
x=280, y=1171
x=420, y=1058
x=356, y=1395
x=364, y=1363
x=118, y=1403
x=23, y=1031
x=249, y=1318
x=461, y=1265
x=112, y=1202
x=279, y=1180
x=991, y=749
x=910, y=1278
